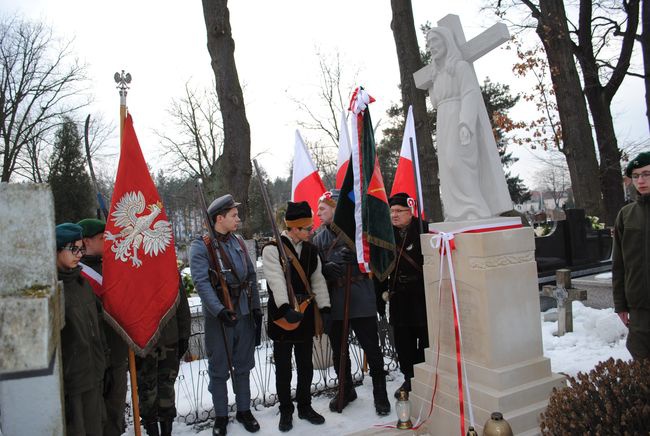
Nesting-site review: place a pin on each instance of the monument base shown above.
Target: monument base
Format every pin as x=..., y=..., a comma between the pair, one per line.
x=496, y=280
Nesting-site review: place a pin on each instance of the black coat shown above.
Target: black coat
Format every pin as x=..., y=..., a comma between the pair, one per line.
x=82, y=344
x=305, y=331
x=406, y=282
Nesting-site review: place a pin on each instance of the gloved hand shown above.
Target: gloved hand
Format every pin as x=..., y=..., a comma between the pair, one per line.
x=228, y=317
x=292, y=316
x=258, y=316
x=183, y=345
x=332, y=271
x=348, y=256
x=326, y=317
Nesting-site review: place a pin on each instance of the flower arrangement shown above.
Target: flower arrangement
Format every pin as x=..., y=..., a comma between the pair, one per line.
x=595, y=222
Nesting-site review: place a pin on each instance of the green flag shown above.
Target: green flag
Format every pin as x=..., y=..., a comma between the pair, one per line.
x=362, y=217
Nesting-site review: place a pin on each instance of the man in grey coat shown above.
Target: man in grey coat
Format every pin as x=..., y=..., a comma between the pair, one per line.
x=336, y=257
x=236, y=324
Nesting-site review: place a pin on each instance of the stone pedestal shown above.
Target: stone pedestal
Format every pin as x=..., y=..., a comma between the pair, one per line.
x=31, y=314
x=498, y=301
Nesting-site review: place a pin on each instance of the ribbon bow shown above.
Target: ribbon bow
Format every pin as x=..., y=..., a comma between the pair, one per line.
x=360, y=100
x=444, y=242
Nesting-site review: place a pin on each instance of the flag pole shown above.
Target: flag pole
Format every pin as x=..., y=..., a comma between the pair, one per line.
x=123, y=80
x=416, y=179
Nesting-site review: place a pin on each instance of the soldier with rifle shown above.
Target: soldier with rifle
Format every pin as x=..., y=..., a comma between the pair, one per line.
x=225, y=279
x=359, y=311
x=293, y=273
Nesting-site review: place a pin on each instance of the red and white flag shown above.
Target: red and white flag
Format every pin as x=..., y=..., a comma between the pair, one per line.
x=140, y=274
x=306, y=184
x=405, y=178
x=343, y=158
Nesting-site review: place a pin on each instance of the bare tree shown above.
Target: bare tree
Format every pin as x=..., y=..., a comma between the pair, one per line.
x=197, y=139
x=553, y=179
x=39, y=83
x=232, y=170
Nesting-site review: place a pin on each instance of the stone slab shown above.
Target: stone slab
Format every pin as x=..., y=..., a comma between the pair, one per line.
x=599, y=291
x=29, y=246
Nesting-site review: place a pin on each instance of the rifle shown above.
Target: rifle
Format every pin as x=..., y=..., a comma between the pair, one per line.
x=217, y=274
x=284, y=261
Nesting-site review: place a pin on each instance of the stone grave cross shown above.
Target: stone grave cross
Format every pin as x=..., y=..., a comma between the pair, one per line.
x=565, y=296
x=471, y=50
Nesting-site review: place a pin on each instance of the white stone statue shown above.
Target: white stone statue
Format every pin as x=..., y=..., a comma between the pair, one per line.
x=472, y=182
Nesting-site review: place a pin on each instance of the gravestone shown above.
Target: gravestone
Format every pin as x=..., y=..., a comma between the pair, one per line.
x=565, y=295
x=31, y=314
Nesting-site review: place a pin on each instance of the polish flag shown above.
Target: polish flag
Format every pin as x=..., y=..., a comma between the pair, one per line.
x=306, y=184
x=343, y=158
x=405, y=178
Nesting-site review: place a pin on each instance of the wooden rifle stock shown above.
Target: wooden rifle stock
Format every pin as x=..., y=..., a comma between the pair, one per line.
x=284, y=259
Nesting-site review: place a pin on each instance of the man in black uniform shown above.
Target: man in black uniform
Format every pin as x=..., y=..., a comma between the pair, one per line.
x=307, y=282
x=407, y=308
x=336, y=257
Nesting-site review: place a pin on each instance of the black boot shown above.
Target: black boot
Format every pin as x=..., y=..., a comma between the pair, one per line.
x=382, y=406
x=151, y=427
x=248, y=420
x=166, y=427
x=220, y=424
x=406, y=386
x=306, y=412
x=286, y=420
x=349, y=396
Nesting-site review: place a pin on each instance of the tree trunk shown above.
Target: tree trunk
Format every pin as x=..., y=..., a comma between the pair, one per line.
x=578, y=144
x=408, y=55
x=600, y=98
x=232, y=170
x=645, y=49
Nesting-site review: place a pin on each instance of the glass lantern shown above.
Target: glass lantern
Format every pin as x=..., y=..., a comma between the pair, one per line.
x=403, y=409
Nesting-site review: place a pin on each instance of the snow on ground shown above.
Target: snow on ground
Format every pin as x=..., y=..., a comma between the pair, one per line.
x=598, y=335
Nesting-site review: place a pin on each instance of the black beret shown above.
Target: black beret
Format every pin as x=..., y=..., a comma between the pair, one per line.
x=298, y=214
x=91, y=227
x=225, y=202
x=399, y=199
x=67, y=232
x=640, y=161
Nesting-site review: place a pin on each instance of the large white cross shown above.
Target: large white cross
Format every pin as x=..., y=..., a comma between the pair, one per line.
x=471, y=50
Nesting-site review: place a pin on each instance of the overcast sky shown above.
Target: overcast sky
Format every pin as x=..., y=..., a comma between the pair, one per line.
x=163, y=45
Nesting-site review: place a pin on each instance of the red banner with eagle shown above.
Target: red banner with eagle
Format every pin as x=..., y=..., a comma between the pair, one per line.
x=139, y=267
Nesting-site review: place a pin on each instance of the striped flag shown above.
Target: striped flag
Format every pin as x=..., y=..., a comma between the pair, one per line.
x=343, y=158
x=306, y=184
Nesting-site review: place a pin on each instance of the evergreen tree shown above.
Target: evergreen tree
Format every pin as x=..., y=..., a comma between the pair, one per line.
x=70, y=183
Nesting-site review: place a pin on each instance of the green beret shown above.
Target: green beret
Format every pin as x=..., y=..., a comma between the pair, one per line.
x=67, y=232
x=91, y=227
x=640, y=161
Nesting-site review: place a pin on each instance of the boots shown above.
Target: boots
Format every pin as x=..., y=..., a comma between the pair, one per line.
x=349, y=396
x=308, y=413
x=382, y=406
x=286, y=420
x=151, y=427
x=166, y=427
x=220, y=426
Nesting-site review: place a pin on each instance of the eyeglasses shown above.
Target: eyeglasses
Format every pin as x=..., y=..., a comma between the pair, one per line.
x=396, y=211
x=75, y=249
x=645, y=175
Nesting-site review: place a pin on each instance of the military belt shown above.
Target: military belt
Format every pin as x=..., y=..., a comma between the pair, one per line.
x=340, y=282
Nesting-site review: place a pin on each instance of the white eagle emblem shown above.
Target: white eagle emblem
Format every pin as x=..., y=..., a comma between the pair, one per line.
x=136, y=230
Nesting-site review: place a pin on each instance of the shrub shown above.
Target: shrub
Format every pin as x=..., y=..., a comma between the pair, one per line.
x=612, y=399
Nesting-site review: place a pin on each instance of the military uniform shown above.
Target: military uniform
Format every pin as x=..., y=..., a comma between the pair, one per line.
x=407, y=308
x=242, y=284
x=115, y=377
x=310, y=282
x=157, y=371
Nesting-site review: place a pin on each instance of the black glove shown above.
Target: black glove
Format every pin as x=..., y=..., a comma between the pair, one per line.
x=108, y=381
x=332, y=271
x=289, y=314
x=257, y=316
x=183, y=345
x=326, y=317
x=348, y=256
x=228, y=317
